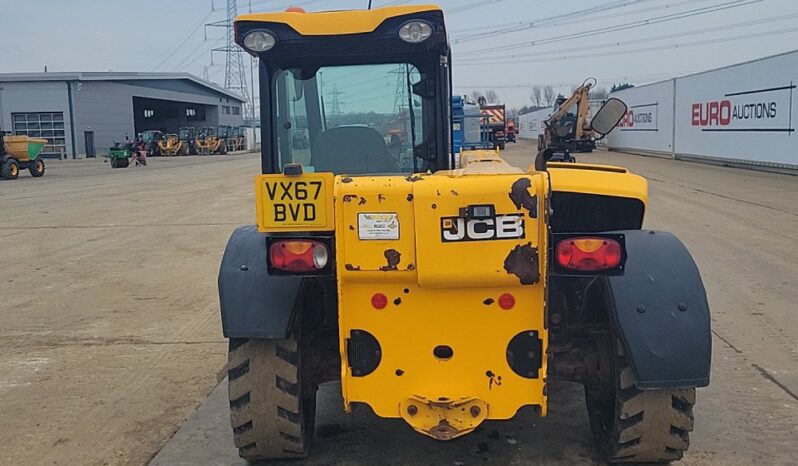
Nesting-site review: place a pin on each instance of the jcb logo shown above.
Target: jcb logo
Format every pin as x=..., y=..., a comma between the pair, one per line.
x=480, y=229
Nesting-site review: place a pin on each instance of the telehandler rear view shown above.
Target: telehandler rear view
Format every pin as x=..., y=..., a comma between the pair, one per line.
x=443, y=289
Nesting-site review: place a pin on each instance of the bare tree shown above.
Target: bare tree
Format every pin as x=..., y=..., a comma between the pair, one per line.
x=599, y=93
x=491, y=96
x=475, y=95
x=548, y=95
x=536, y=96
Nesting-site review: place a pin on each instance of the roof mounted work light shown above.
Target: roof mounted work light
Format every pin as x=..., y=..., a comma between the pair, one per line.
x=259, y=41
x=415, y=32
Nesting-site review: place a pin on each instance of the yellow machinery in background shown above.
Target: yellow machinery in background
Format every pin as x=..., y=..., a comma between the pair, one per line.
x=208, y=142
x=171, y=145
x=19, y=153
x=441, y=290
x=236, y=141
x=568, y=128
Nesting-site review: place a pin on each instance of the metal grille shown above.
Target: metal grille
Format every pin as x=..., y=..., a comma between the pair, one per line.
x=43, y=125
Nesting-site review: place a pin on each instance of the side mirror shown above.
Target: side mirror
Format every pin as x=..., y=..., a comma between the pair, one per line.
x=608, y=116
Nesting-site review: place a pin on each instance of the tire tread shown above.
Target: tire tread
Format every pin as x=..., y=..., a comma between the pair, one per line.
x=269, y=419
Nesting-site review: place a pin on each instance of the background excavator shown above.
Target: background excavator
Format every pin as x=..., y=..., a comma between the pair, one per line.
x=568, y=129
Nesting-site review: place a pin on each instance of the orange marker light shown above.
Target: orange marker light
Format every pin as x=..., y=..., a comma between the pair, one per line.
x=298, y=255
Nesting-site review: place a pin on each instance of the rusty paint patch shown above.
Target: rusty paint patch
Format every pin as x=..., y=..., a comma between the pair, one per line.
x=349, y=197
x=351, y=267
x=454, y=193
x=351, y=227
x=410, y=266
x=414, y=178
x=409, y=198
x=444, y=431
x=380, y=198
x=519, y=194
x=346, y=179
x=393, y=257
x=488, y=301
x=522, y=262
x=362, y=201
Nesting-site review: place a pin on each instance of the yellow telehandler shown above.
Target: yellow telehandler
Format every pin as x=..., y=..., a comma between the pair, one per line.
x=438, y=292
x=170, y=145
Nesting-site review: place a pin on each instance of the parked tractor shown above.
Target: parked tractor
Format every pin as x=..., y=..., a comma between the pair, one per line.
x=170, y=145
x=188, y=140
x=233, y=137
x=20, y=153
x=208, y=142
x=441, y=293
x=119, y=155
x=152, y=140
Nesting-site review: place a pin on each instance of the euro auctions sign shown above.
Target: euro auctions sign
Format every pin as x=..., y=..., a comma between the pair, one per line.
x=747, y=110
x=640, y=118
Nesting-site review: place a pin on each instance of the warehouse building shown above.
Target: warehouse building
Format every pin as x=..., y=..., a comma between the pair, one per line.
x=83, y=114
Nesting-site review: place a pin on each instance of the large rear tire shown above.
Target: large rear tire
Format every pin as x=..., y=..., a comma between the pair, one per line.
x=10, y=169
x=272, y=400
x=641, y=426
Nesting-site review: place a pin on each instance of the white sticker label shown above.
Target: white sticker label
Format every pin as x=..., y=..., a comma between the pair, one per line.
x=378, y=226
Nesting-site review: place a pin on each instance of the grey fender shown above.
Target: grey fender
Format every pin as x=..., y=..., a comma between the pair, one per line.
x=254, y=304
x=661, y=312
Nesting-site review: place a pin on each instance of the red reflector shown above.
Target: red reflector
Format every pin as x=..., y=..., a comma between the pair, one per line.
x=379, y=301
x=589, y=253
x=506, y=301
x=295, y=9
x=298, y=255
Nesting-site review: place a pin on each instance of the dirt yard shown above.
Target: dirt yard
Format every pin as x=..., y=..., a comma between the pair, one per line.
x=110, y=335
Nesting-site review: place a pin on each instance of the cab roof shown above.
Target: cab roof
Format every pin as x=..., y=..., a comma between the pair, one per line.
x=341, y=22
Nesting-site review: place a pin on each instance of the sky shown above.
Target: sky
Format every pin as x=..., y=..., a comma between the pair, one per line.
x=505, y=45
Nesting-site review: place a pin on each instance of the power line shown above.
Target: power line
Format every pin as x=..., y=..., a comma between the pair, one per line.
x=471, y=6
x=644, y=49
x=579, y=15
x=619, y=27
x=725, y=27
x=520, y=26
x=192, y=56
x=185, y=39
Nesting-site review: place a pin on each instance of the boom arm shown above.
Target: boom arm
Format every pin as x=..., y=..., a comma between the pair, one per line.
x=581, y=97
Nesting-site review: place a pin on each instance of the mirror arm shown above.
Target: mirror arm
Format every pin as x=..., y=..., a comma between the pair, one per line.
x=542, y=158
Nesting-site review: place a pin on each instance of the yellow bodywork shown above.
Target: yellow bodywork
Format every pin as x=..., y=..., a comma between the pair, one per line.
x=208, y=145
x=170, y=145
x=613, y=181
x=438, y=292
x=337, y=22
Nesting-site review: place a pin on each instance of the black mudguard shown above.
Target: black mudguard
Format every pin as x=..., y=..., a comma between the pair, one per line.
x=661, y=312
x=254, y=304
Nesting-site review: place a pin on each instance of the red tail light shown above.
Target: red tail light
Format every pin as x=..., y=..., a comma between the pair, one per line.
x=589, y=253
x=298, y=255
